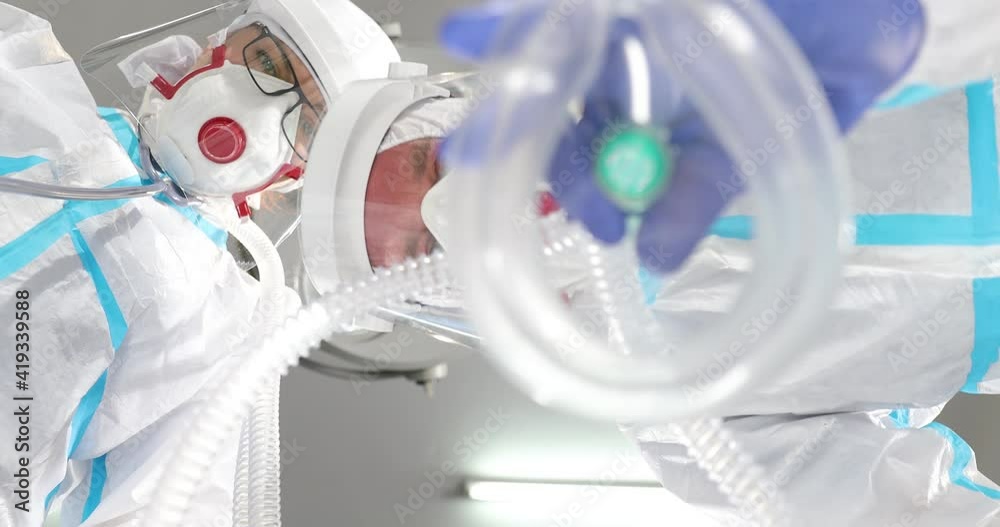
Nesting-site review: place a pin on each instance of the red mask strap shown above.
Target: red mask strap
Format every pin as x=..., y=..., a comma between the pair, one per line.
x=170, y=90
x=547, y=204
x=240, y=199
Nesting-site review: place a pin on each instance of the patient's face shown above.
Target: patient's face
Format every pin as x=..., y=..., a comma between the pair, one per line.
x=399, y=180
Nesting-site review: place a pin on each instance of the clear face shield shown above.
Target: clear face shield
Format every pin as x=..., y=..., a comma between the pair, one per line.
x=226, y=104
x=387, y=205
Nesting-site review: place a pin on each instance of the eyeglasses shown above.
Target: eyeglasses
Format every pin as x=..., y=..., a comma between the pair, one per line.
x=266, y=59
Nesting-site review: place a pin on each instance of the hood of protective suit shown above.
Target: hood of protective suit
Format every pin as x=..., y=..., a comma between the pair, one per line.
x=340, y=41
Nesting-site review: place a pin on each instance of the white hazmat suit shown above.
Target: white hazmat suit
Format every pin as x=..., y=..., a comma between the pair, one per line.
x=847, y=433
x=133, y=309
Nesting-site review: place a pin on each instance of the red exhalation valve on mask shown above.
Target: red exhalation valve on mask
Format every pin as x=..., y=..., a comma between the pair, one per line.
x=222, y=140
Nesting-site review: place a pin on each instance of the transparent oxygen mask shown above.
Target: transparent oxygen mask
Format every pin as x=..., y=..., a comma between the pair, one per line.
x=578, y=324
x=587, y=326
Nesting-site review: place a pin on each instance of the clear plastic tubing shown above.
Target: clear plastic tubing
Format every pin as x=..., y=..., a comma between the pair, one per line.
x=43, y=190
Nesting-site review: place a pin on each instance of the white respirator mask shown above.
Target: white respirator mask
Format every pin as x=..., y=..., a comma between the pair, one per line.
x=217, y=131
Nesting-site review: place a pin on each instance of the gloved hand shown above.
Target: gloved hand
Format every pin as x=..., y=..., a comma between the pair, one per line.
x=858, y=48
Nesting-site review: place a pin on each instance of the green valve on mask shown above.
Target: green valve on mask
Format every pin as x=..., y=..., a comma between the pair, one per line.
x=634, y=169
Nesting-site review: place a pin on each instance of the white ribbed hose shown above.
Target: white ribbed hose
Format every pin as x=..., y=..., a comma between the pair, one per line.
x=734, y=472
x=332, y=313
x=257, y=487
x=241, y=486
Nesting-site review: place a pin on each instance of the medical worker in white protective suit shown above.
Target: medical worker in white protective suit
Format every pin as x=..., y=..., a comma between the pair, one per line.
x=847, y=433
x=133, y=308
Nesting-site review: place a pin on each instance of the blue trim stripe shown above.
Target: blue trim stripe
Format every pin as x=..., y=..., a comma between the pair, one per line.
x=960, y=461
x=10, y=165
x=734, y=227
x=986, y=347
x=51, y=496
x=22, y=250
x=124, y=133
x=983, y=156
x=117, y=327
x=98, y=478
x=901, y=230
x=87, y=408
x=29, y=246
x=116, y=320
x=25, y=248
x=651, y=284
x=126, y=136
x=911, y=95
x=962, y=453
x=902, y=417
x=922, y=230
x=217, y=235
x=85, y=413
x=982, y=228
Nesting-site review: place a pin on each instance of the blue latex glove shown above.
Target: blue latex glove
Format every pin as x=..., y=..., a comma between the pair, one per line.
x=846, y=42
